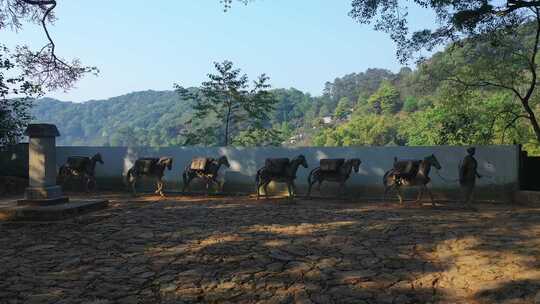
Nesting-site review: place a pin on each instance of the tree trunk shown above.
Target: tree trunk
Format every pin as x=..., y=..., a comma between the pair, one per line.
x=532, y=119
x=526, y=99
x=227, y=122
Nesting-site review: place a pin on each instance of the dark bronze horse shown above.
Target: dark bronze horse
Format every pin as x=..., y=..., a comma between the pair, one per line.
x=149, y=167
x=82, y=167
x=394, y=179
x=341, y=175
x=209, y=174
x=288, y=175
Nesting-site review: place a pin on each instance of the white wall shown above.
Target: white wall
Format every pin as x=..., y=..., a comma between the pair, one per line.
x=499, y=164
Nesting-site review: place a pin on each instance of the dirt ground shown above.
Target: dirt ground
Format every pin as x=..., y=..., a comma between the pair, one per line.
x=183, y=249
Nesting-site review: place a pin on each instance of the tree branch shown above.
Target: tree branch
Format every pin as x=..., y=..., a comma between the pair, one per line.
x=511, y=124
x=485, y=83
x=48, y=10
x=532, y=61
x=513, y=5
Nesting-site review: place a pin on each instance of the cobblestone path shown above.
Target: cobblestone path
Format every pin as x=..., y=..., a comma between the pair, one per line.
x=238, y=250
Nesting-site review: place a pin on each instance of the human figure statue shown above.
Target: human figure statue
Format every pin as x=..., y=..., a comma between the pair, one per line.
x=467, y=175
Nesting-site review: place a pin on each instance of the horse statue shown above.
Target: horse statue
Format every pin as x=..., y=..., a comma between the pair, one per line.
x=333, y=170
x=206, y=169
x=82, y=167
x=150, y=167
x=410, y=173
x=279, y=170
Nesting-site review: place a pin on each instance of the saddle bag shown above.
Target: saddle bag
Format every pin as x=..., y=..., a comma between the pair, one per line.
x=407, y=168
x=78, y=163
x=331, y=165
x=276, y=165
x=145, y=165
x=199, y=163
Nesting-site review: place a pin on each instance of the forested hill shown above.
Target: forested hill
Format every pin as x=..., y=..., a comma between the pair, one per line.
x=161, y=118
x=117, y=120
x=374, y=107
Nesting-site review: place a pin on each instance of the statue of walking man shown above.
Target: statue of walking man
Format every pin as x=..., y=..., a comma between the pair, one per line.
x=467, y=175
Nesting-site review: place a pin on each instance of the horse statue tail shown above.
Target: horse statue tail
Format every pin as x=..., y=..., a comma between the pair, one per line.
x=129, y=174
x=257, y=182
x=310, y=176
x=310, y=182
x=185, y=179
x=386, y=184
x=258, y=177
x=62, y=174
x=385, y=178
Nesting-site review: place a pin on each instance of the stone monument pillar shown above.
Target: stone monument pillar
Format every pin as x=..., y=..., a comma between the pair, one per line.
x=42, y=189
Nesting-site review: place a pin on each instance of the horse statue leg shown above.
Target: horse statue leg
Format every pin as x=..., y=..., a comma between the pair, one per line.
x=292, y=189
x=289, y=189
x=213, y=182
x=207, y=181
x=265, y=187
x=188, y=176
x=258, y=184
x=258, y=189
x=185, y=181
x=131, y=179
x=420, y=194
x=399, y=195
x=61, y=178
x=430, y=195
x=342, y=188
x=133, y=188
x=386, y=190
x=159, y=185
x=92, y=181
x=221, y=185
x=389, y=182
x=218, y=184
x=86, y=180
x=310, y=184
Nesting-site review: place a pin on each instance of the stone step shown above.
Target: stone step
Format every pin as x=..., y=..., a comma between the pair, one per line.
x=527, y=197
x=16, y=212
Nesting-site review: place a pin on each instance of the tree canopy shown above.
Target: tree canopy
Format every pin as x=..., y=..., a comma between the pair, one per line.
x=496, y=41
x=30, y=71
x=234, y=107
x=457, y=19
x=480, y=89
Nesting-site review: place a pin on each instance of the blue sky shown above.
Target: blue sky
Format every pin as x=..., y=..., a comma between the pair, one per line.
x=137, y=46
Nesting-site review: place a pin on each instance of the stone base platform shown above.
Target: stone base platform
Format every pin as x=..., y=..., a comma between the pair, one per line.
x=527, y=197
x=16, y=212
x=43, y=202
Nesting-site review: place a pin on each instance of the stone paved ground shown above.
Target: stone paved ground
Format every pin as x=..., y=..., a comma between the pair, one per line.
x=238, y=250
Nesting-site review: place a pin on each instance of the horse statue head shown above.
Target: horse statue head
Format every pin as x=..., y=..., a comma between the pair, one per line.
x=97, y=158
x=301, y=160
x=223, y=161
x=433, y=161
x=166, y=162
x=355, y=162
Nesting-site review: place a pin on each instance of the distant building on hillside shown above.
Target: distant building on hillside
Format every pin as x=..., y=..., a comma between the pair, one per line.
x=327, y=120
x=296, y=138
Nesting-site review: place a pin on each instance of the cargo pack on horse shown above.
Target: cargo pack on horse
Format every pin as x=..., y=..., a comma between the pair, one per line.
x=410, y=173
x=206, y=169
x=333, y=170
x=279, y=170
x=149, y=167
x=82, y=167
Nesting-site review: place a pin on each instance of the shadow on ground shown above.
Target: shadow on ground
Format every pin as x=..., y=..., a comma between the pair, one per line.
x=238, y=250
